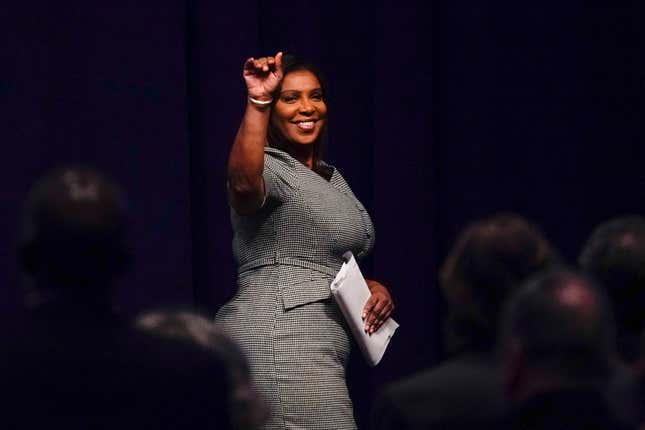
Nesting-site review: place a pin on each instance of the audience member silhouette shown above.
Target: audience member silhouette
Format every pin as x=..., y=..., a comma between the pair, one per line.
x=558, y=342
x=245, y=408
x=489, y=260
x=73, y=240
x=640, y=383
x=615, y=256
x=59, y=365
x=69, y=361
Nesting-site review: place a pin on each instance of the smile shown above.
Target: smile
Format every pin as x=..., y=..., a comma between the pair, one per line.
x=305, y=125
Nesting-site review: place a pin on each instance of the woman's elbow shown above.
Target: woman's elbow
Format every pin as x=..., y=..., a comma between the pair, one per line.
x=245, y=196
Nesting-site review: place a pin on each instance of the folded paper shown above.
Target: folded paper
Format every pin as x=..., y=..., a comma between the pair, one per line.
x=351, y=293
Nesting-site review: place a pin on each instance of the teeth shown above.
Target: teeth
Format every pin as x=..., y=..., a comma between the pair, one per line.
x=306, y=125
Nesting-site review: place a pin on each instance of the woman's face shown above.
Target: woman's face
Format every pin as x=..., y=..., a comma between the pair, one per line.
x=300, y=111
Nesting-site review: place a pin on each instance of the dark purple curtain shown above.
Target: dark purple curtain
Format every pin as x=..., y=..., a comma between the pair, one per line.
x=440, y=113
x=103, y=85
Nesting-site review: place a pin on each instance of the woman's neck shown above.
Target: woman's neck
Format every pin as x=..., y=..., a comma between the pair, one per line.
x=302, y=153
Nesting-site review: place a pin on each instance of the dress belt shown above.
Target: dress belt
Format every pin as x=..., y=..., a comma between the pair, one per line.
x=289, y=261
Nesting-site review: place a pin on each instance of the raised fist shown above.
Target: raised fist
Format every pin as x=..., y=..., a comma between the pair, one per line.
x=262, y=76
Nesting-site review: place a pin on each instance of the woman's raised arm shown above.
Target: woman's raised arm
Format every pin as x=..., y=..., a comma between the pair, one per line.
x=246, y=160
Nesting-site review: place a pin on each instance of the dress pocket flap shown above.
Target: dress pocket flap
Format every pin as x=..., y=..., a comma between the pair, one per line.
x=303, y=286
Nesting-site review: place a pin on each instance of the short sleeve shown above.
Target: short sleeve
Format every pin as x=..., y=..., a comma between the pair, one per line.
x=279, y=180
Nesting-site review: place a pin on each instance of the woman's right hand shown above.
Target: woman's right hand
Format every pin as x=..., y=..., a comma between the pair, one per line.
x=262, y=76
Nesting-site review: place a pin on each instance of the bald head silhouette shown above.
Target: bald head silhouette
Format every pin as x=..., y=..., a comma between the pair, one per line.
x=73, y=230
x=558, y=330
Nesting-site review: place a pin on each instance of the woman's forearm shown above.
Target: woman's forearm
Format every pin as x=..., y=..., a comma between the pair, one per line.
x=246, y=160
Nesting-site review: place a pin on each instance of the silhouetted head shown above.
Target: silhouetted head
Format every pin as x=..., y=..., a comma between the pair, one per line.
x=615, y=255
x=238, y=402
x=557, y=331
x=73, y=230
x=491, y=258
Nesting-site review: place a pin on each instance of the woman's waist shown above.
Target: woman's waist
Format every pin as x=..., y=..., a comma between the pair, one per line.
x=328, y=266
x=293, y=282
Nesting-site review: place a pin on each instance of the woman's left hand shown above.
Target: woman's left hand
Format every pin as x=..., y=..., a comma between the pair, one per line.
x=378, y=308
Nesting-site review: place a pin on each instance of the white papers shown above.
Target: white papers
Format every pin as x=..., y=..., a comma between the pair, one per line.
x=351, y=293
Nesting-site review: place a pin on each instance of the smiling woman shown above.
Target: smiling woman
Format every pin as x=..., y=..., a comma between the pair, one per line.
x=300, y=111
x=294, y=217
x=299, y=114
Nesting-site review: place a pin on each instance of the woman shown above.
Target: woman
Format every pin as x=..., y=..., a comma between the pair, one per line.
x=293, y=216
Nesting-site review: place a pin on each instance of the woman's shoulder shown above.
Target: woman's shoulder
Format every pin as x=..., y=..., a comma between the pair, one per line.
x=278, y=155
x=281, y=164
x=278, y=159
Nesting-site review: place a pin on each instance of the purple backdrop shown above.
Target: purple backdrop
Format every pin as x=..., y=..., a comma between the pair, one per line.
x=440, y=114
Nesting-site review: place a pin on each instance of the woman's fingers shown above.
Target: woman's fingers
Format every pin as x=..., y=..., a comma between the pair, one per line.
x=378, y=308
x=263, y=75
x=383, y=315
x=278, y=63
x=376, y=311
x=263, y=65
x=377, y=319
x=254, y=65
x=378, y=322
x=367, y=310
x=249, y=64
x=260, y=63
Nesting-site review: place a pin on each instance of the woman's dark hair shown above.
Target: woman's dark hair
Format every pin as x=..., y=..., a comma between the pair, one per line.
x=275, y=138
x=491, y=257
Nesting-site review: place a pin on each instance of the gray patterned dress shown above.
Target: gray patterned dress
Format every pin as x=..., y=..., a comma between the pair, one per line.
x=283, y=315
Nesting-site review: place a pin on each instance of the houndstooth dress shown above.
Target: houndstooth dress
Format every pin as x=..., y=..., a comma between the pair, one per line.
x=283, y=316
